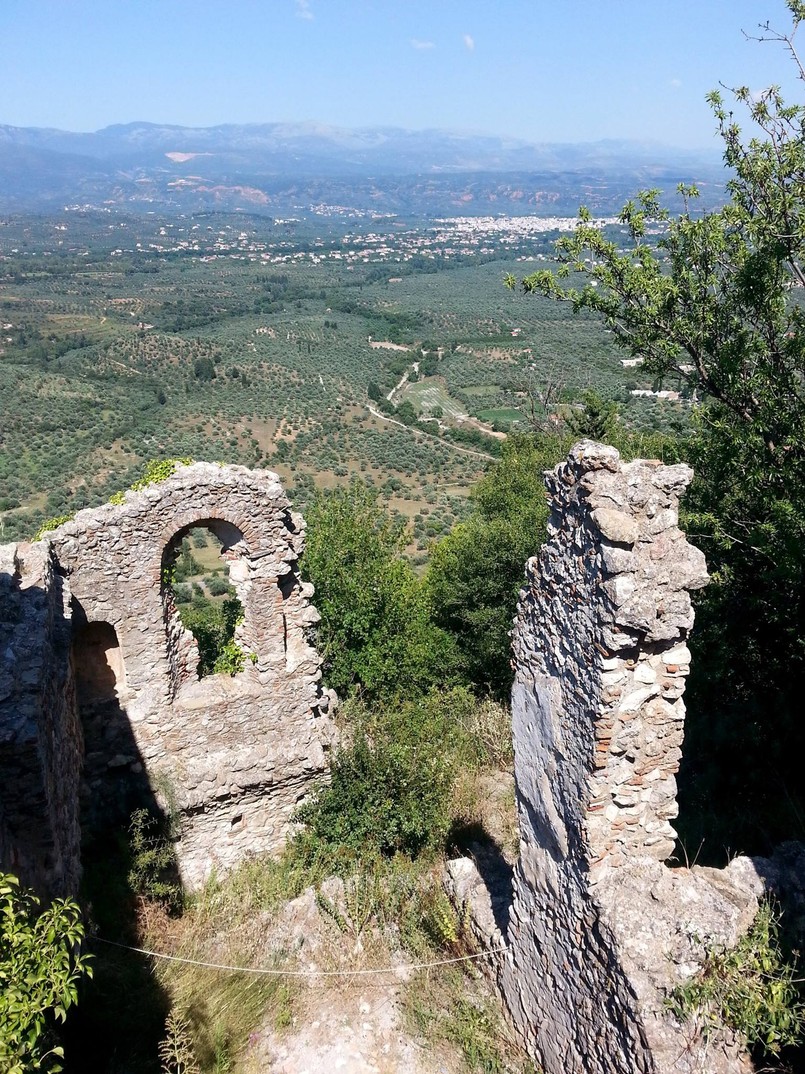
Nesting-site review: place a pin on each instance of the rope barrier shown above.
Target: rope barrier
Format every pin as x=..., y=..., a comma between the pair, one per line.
x=302, y=973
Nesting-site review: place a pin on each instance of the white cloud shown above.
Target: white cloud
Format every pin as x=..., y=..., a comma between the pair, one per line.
x=469, y=42
x=675, y=83
x=421, y=45
x=303, y=10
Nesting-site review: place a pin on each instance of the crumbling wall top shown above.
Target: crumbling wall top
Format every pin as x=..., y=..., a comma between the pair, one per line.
x=603, y=621
x=251, y=500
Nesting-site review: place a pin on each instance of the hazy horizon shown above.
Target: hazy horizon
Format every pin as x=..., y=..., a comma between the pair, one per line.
x=580, y=71
x=316, y=126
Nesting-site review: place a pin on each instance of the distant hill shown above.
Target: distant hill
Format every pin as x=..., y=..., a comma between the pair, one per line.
x=283, y=167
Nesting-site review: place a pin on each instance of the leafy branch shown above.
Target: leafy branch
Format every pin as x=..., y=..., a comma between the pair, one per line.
x=41, y=964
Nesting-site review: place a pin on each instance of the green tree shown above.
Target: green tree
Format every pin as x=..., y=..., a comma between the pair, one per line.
x=477, y=571
x=717, y=303
x=406, y=412
x=204, y=368
x=376, y=634
x=40, y=967
x=213, y=625
x=595, y=421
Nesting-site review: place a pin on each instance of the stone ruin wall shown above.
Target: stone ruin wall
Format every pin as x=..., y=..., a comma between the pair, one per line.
x=232, y=756
x=40, y=736
x=599, y=929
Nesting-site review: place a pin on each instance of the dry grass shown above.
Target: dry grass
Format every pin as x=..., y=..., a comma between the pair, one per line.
x=490, y=724
x=229, y=925
x=388, y=914
x=293, y=915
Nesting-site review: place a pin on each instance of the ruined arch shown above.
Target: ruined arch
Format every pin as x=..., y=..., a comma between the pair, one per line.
x=183, y=648
x=237, y=753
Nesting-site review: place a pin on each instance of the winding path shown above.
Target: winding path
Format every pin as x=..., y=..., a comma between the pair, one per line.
x=430, y=436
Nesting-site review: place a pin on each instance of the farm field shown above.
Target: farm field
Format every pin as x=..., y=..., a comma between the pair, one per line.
x=260, y=342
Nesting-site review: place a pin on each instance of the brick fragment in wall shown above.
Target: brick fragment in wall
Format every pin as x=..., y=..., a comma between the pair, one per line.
x=231, y=756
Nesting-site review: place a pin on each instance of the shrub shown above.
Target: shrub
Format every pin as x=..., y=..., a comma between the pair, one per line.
x=750, y=988
x=186, y=565
x=474, y=603
x=158, y=470
x=488, y=724
x=392, y=784
x=230, y=660
x=213, y=627
x=51, y=524
x=153, y=871
x=40, y=967
x=388, y=797
x=219, y=587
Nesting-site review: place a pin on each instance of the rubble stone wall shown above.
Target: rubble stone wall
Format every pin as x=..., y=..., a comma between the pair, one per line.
x=40, y=735
x=599, y=929
x=230, y=755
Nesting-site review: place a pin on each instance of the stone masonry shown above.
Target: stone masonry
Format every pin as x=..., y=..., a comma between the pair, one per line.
x=101, y=709
x=599, y=928
x=229, y=756
x=40, y=736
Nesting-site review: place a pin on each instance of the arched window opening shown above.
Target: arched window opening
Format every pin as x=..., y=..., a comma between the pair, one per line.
x=98, y=663
x=198, y=589
x=114, y=777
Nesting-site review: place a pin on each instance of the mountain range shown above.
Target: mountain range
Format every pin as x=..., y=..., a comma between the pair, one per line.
x=283, y=166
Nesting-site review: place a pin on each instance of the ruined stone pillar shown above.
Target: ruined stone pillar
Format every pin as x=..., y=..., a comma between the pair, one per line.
x=599, y=927
x=40, y=735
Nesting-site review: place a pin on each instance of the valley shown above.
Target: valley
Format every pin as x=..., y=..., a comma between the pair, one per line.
x=276, y=343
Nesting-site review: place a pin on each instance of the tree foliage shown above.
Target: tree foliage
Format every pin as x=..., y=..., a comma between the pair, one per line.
x=376, y=633
x=596, y=420
x=478, y=569
x=387, y=795
x=717, y=302
x=714, y=302
x=213, y=626
x=393, y=779
x=40, y=967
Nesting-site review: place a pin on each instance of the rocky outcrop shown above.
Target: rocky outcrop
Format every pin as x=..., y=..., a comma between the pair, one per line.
x=229, y=756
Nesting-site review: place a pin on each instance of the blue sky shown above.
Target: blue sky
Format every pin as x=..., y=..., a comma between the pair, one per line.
x=544, y=70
